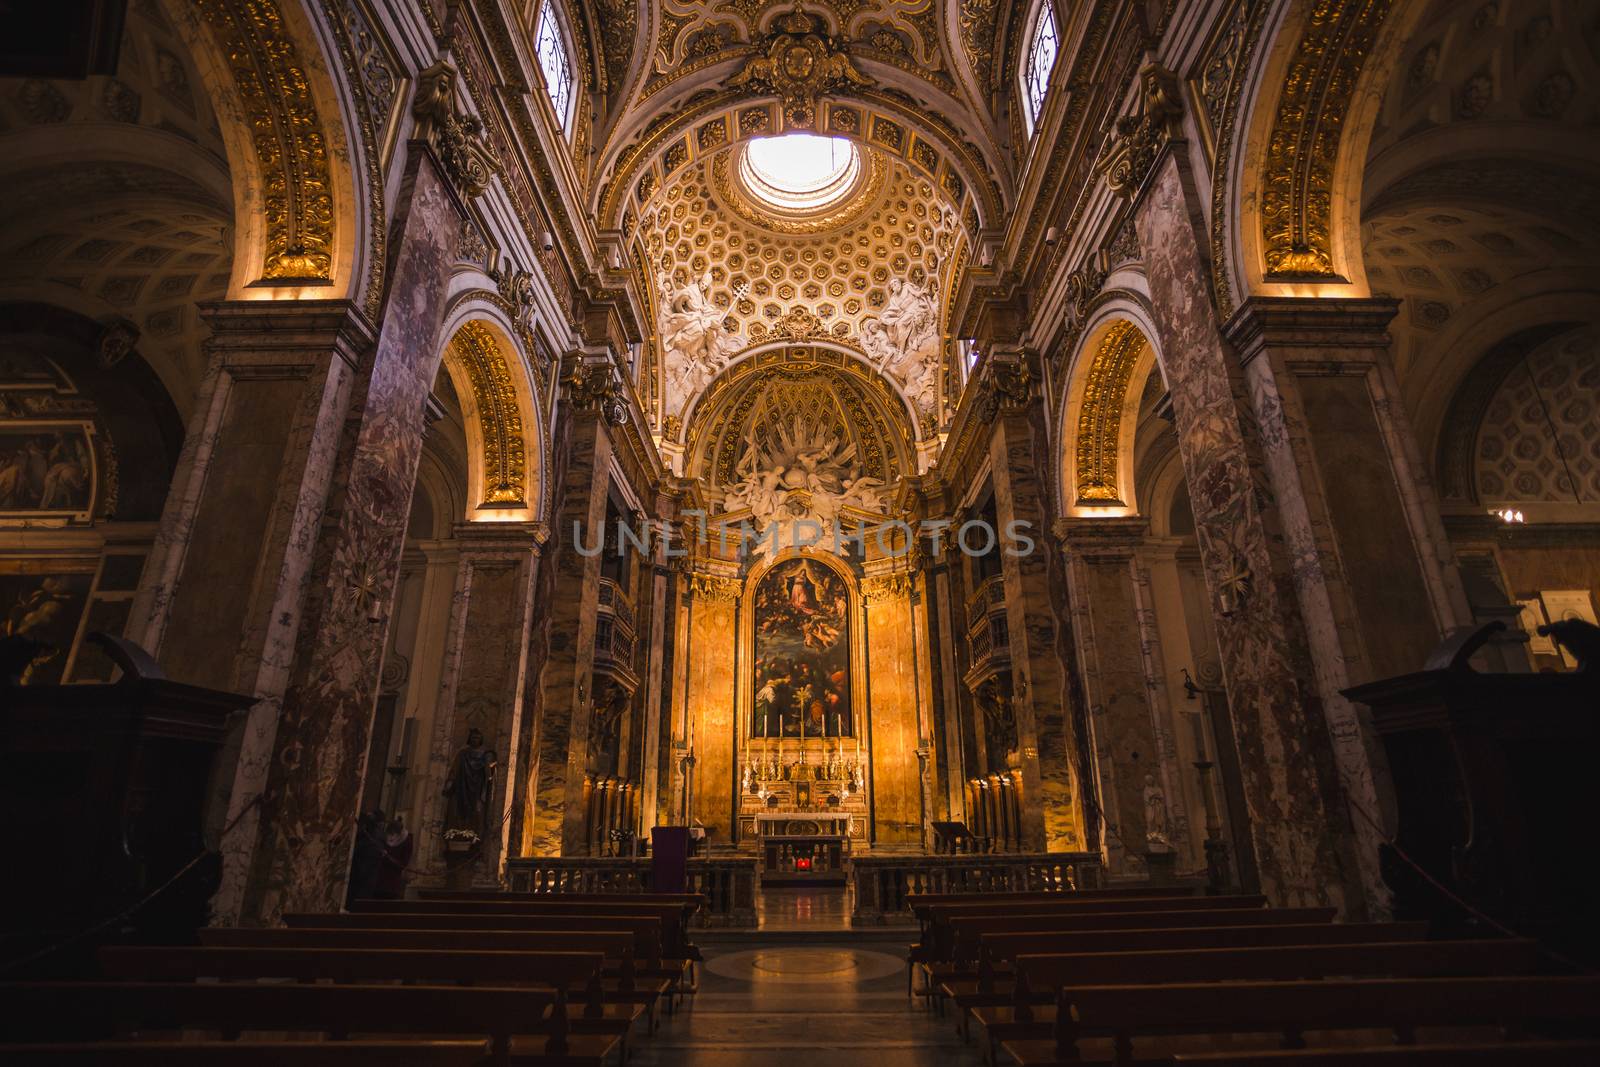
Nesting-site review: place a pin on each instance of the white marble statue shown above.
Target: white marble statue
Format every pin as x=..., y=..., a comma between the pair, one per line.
x=695, y=343
x=1155, y=816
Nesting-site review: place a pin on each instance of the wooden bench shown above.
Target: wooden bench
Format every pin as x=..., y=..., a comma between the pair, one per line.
x=698, y=900
x=71, y=1011
x=575, y=975
x=624, y=982
x=674, y=916
x=1501, y=1054
x=249, y=1054
x=937, y=941
x=653, y=961
x=965, y=933
x=997, y=951
x=1030, y=1013
x=1291, y=1009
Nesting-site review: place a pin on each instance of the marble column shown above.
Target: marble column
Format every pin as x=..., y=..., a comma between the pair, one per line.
x=1304, y=841
x=1049, y=811
x=484, y=684
x=274, y=399
x=557, y=821
x=945, y=608
x=1116, y=636
x=301, y=857
x=658, y=579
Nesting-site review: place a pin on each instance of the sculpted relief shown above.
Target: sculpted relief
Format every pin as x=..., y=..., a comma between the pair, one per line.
x=903, y=342
x=695, y=340
x=803, y=474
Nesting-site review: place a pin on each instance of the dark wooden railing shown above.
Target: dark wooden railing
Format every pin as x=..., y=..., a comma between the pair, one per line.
x=728, y=884
x=881, y=882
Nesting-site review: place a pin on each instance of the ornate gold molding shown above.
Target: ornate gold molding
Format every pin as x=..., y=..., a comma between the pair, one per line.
x=1303, y=148
x=1141, y=136
x=883, y=587
x=505, y=465
x=1100, y=413
x=799, y=62
x=456, y=136
x=592, y=387
x=287, y=133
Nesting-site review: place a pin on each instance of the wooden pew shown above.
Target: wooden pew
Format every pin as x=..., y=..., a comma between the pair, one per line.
x=249, y=1054
x=1040, y=978
x=1499, y=1054
x=71, y=1011
x=653, y=961
x=941, y=916
x=964, y=933
x=575, y=975
x=1293, y=1008
x=625, y=984
x=674, y=916
x=990, y=981
x=698, y=900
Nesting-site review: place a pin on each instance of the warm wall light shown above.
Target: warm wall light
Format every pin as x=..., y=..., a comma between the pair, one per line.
x=1510, y=515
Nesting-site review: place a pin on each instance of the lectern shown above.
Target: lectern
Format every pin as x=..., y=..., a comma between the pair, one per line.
x=104, y=788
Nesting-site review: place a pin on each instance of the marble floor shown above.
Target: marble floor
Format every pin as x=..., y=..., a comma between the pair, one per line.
x=832, y=1003
x=818, y=908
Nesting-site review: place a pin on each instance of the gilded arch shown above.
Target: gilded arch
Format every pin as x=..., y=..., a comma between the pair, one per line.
x=503, y=427
x=1100, y=414
x=295, y=200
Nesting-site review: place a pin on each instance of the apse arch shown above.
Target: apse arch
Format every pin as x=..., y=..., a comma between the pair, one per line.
x=789, y=351
x=1100, y=411
x=866, y=410
x=504, y=423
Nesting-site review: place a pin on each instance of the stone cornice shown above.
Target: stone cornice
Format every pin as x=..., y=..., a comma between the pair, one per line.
x=289, y=334
x=1304, y=322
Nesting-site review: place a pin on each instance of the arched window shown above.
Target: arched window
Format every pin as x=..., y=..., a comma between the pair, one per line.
x=551, y=48
x=1043, y=45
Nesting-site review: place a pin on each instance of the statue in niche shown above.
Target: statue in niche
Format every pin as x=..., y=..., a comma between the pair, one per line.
x=693, y=338
x=903, y=341
x=470, y=787
x=1155, y=816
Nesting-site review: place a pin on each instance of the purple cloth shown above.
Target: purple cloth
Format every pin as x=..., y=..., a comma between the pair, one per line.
x=669, y=859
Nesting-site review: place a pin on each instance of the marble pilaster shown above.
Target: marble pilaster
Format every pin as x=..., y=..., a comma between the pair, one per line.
x=708, y=698
x=1050, y=813
x=484, y=682
x=1117, y=642
x=1301, y=830
x=301, y=861
x=946, y=609
x=274, y=399
x=896, y=679
x=556, y=820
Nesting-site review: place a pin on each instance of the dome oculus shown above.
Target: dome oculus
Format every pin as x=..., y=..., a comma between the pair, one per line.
x=798, y=173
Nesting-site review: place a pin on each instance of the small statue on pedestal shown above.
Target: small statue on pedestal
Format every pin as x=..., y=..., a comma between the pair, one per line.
x=469, y=790
x=1155, y=816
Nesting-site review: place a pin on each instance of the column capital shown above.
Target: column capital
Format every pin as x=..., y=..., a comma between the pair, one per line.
x=278, y=335
x=1348, y=328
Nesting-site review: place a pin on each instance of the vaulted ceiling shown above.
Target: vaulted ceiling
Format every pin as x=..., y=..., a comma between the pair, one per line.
x=687, y=84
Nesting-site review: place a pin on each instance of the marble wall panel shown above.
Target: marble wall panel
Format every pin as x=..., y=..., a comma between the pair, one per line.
x=897, y=794
x=711, y=669
x=557, y=805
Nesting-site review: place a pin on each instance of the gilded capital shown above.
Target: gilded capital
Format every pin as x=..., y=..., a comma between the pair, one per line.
x=1140, y=137
x=455, y=135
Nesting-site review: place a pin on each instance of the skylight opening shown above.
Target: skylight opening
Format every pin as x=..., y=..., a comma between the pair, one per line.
x=800, y=172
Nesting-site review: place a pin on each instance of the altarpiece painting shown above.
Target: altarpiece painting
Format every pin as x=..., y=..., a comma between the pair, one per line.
x=802, y=652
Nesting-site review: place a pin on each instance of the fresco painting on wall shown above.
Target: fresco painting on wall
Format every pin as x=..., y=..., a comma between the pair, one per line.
x=46, y=469
x=45, y=608
x=802, y=652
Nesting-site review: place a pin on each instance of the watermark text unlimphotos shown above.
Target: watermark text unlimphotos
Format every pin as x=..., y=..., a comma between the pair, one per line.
x=892, y=538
